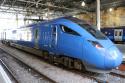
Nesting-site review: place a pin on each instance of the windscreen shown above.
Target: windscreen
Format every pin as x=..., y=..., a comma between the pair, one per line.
x=89, y=28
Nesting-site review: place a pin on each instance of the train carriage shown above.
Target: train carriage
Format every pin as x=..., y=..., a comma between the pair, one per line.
x=72, y=41
x=116, y=34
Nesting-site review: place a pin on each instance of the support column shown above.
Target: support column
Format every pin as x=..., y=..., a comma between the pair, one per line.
x=17, y=19
x=98, y=15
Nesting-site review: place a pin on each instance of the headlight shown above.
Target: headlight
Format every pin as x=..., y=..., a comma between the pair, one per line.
x=96, y=44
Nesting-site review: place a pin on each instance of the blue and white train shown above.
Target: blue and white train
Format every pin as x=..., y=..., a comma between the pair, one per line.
x=74, y=42
x=115, y=34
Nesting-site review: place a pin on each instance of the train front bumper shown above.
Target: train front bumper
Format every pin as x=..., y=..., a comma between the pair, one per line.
x=113, y=58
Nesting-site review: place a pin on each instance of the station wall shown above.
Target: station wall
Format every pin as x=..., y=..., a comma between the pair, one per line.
x=116, y=17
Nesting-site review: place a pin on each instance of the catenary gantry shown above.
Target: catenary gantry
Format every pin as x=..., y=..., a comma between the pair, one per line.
x=64, y=6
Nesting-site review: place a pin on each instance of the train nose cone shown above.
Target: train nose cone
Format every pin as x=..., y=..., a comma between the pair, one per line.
x=113, y=58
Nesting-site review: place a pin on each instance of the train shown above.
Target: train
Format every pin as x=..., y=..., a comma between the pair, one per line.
x=68, y=40
x=115, y=34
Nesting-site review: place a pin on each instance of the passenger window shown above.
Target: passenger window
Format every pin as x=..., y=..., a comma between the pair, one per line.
x=68, y=30
x=120, y=33
x=115, y=33
x=36, y=34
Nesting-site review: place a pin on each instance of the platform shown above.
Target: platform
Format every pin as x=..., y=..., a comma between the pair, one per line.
x=4, y=78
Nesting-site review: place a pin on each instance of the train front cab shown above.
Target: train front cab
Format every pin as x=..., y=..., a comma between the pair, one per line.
x=72, y=44
x=89, y=54
x=66, y=41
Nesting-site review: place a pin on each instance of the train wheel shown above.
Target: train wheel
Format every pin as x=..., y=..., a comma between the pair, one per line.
x=45, y=54
x=83, y=68
x=79, y=65
x=51, y=58
x=68, y=62
x=65, y=61
x=8, y=43
x=71, y=63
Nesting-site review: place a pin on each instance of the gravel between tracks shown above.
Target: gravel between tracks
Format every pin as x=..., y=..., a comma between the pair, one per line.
x=22, y=73
x=55, y=73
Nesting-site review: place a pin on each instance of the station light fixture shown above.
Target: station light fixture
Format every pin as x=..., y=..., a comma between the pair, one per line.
x=74, y=15
x=46, y=14
x=83, y=3
x=110, y=9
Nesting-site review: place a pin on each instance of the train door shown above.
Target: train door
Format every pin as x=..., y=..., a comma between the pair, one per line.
x=54, y=37
x=1, y=35
x=36, y=38
x=118, y=34
x=70, y=42
x=4, y=35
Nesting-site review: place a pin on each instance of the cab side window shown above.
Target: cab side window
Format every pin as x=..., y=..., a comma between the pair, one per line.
x=68, y=30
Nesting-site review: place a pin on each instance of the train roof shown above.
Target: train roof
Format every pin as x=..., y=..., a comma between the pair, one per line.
x=45, y=21
x=61, y=19
x=34, y=24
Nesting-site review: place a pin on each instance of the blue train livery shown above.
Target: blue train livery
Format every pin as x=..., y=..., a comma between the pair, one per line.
x=76, y=42
x=115, y=34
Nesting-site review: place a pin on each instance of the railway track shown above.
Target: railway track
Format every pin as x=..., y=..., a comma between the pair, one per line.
x=89, y=75
x=9, y=72
x=60, y=78
x=118, y=74
x=96, y=79
x=107, y=78
x=112, y=77
x=95, y=76
x=85, y=75
x=22, y=63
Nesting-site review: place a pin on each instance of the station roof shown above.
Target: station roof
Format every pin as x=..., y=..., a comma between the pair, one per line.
x=65, y=6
